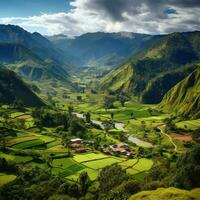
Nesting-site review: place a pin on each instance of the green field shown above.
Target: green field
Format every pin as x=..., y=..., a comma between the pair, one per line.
x=98, y=164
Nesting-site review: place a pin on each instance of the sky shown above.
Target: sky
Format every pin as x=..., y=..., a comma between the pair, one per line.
x=76, y=17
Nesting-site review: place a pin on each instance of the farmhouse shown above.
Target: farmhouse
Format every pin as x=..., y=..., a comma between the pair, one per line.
x=122, y=149
x=77, y=145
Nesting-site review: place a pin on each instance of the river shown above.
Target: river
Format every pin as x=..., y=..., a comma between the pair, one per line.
x=119, y=126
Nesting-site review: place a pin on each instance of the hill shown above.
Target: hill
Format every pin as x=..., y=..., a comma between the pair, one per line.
x=102, y=50
x=14, y=89
x=28, y=65
x=184, y=98
x=167, y=194
x=166, y=55
x=35, y=42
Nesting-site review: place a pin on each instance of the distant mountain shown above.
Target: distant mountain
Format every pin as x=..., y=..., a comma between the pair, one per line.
x=23, y=61
x=184, y=97
x=35, y=42
x=102, y=50
x=14, y=89
x=159, y=60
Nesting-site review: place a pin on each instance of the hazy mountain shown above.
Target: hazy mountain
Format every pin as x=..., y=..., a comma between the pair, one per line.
x=12, y=89
x=34, y=42
x=105, y=50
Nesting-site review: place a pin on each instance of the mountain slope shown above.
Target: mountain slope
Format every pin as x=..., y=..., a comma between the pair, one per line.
x=23, y=61
x=184, y=98
x=166, y=55
x=35, y=42
x=14, y=89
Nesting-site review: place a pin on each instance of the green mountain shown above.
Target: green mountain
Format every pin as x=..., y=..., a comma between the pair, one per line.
x=28, y=65
x=102, y=50
x=184, y=98
x=35, y=42
x=159, y=60
x=14, y=89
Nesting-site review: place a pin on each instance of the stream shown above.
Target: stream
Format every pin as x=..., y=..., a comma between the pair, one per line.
x=119, y=126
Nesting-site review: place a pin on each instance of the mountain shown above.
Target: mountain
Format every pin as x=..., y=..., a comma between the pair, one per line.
x=184, y=97
x=12, y=89
x=158, y=60
x=28, y=65
x=102, y=50
x=35, y=42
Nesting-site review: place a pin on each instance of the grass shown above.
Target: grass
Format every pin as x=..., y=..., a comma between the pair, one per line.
x=5, y=178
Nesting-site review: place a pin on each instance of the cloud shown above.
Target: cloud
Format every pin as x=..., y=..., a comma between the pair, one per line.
x=146, y=16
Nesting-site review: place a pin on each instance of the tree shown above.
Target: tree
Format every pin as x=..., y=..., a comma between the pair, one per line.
x=70, y=110
x=84, y=181
x=196, y=135
x=88, y=117
x=110, y=177
x=66, y=142
x=109, y=102
x=73, y=190
x=107, y=126
x=112, y=115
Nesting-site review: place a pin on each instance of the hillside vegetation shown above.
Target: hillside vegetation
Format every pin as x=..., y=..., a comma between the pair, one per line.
x=13, y=89
x=184, y=98
x=167, y=55
x=167, y=194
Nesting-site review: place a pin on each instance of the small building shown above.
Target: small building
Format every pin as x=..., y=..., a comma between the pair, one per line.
x=76, y=141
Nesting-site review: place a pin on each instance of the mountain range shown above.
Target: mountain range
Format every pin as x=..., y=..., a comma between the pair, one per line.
x=102, y=50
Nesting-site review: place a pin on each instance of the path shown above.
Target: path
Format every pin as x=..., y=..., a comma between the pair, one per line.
x=161, y=128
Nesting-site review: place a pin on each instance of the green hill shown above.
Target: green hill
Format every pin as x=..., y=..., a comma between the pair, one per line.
x=167, y=194
x=166, y=55
x=14, y=89
x=184, y=98
x=28, y=65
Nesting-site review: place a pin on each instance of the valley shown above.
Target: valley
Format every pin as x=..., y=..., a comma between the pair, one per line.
x=101, y=133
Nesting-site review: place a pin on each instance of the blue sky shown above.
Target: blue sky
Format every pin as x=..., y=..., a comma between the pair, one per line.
x=76, y=17
x=24, y=8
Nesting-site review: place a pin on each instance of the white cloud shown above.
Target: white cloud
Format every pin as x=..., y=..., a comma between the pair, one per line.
x=145, y=16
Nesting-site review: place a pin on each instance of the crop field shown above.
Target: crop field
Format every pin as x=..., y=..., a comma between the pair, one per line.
x=29, y=144
x=143, y=165
x=88, y=157
x=98, y=164
x=17, y=159
x=6, y=178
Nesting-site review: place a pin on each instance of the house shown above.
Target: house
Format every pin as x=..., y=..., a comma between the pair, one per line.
x=122, y=149
x=76, y=141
